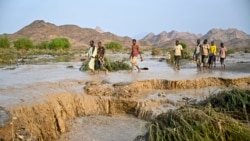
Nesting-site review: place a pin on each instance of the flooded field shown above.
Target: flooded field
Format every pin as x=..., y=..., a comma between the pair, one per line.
x=73, y=105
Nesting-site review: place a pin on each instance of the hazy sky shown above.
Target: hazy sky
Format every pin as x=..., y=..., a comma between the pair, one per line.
x=129, y=17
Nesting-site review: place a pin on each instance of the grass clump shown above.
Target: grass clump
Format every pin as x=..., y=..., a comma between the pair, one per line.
x=235, y=103
x=211, y=120
x=111, y=66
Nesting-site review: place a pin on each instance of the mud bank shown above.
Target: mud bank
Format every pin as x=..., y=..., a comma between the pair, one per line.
x=47, y=119
x=127, y=89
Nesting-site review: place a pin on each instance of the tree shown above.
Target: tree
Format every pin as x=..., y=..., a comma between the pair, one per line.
x=23, y=44
x=59, y=43
x=4, y=42
x=114, y=46
x=66, y=43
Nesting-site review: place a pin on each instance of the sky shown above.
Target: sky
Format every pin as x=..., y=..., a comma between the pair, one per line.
x=129, y=17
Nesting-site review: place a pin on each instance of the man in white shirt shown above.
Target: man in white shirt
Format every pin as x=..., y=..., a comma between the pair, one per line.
x=177, y=54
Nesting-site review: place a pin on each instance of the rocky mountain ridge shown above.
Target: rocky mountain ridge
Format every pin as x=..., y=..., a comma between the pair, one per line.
x=79, y=37
x=40, y=30
x=231, y=37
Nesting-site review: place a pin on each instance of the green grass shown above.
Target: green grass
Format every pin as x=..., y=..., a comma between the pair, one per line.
x=10, y=56
x=110, y=65
x=211, y=120
x=235, y=103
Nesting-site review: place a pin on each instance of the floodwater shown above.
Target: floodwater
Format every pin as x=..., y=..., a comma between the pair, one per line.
x=31, y=81
x=28, y=82
x=53, y=72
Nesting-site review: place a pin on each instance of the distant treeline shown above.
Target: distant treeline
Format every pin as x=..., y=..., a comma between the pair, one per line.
x=26, y=44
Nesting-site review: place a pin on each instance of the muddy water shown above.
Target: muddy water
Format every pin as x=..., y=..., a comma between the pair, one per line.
x=59, y=93
x=29, y=74
x=105, y=128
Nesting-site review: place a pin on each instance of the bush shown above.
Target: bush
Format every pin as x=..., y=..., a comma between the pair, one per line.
x=114, y=46
x=59, y=43
x=23, y=44
x=4, y=42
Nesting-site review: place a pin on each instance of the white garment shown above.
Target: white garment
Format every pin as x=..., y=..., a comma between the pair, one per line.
x=91, y=54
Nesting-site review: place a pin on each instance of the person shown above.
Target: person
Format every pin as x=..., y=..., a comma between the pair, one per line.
x=205, y=52
x=212, y=55
x=100, y=58
x=222, y=55
x=133, y=55
x=197, y=54
x=177, y=54
x=92, y=52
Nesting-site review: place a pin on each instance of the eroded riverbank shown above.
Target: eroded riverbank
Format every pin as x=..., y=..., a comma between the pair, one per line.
x=45, y=117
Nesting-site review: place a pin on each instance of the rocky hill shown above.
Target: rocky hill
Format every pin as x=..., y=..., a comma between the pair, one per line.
x=164, y=37
x=40, y=30
x=233, y=38
x=225, y=35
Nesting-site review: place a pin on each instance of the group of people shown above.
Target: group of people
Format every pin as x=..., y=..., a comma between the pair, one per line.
x=204, y=54
x=96, y=57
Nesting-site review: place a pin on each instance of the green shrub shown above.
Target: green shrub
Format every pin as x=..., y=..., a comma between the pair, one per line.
x=4, y=42
x=59, y=43
x=23, y=44
x=114, y=46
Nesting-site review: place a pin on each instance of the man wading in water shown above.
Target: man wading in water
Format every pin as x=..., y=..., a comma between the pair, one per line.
x=100, y=58
x=197, y=54
x=92, y=52
x=133, y=55
x=177, y=55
